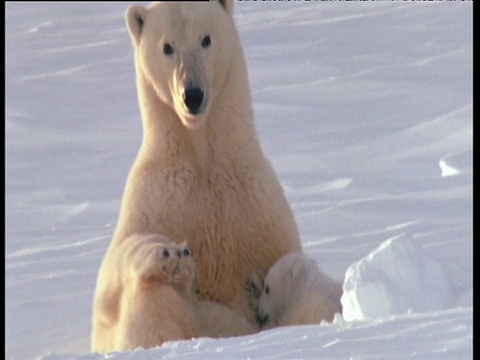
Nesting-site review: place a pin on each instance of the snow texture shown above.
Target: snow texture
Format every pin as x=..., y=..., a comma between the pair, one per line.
x=397, y=277
x=365, y=110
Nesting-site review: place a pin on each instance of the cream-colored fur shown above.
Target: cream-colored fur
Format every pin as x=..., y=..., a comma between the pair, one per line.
x=200, y=176
x=296, y=292
x=158, y=303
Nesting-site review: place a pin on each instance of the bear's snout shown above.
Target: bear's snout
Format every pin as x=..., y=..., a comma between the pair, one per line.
x=193, y=99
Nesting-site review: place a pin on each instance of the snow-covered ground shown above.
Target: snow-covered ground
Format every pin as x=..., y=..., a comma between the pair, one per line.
x=365, y=110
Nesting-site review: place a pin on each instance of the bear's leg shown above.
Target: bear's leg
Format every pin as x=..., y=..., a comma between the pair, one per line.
x=155, y=316
x=218, y=321
x=157, y=304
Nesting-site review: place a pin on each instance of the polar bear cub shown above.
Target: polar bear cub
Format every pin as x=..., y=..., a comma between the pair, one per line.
x=296, y=292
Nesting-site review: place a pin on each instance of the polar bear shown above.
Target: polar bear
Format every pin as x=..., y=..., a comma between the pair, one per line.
x=296, y=292
x=200, y=176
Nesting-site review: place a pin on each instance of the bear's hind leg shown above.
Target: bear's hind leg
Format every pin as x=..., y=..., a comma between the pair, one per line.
x=157, y=305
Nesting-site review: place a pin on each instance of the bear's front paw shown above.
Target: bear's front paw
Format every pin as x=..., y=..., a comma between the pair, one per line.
x=167, y=263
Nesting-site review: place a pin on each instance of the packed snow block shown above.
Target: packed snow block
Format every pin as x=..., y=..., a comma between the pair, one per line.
x=397, y=277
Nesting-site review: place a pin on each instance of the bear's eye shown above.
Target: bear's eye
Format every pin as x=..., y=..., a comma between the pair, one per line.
x=167, y=49
x=206, y=41
x=267, y=290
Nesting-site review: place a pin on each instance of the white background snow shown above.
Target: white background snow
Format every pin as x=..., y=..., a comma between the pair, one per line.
x=365, y=110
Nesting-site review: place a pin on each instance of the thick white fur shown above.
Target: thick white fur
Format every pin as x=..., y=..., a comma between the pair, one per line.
x=197, y=178
x=296, y=292
x=158, y=300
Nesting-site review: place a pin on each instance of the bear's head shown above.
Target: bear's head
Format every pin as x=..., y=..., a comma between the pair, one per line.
x=184, y=50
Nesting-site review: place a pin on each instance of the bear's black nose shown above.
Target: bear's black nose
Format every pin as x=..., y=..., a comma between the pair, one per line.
x=193, y=98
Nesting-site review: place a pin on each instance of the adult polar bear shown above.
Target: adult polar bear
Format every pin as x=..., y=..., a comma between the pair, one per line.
x=200, y=176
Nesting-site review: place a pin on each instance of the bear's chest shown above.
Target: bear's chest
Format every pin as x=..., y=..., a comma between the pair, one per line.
x=212, y=205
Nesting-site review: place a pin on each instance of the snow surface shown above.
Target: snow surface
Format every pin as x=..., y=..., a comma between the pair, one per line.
x=398, y=277
x=365, y=110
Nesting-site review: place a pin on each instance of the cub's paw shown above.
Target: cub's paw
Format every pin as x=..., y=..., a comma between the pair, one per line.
x=254, y=287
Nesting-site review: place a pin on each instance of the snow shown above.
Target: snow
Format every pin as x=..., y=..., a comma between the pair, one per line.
x=397, y=277
x=365, y=110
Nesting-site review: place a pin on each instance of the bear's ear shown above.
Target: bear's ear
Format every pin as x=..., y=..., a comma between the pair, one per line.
x=297, y=269
x=135, y=18
x=227, y=5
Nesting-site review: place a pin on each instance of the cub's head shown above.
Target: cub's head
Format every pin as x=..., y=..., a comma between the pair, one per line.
x=184, y=51
x=285, y=281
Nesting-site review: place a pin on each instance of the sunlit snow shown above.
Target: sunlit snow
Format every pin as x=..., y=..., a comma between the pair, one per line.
x=365, y=110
